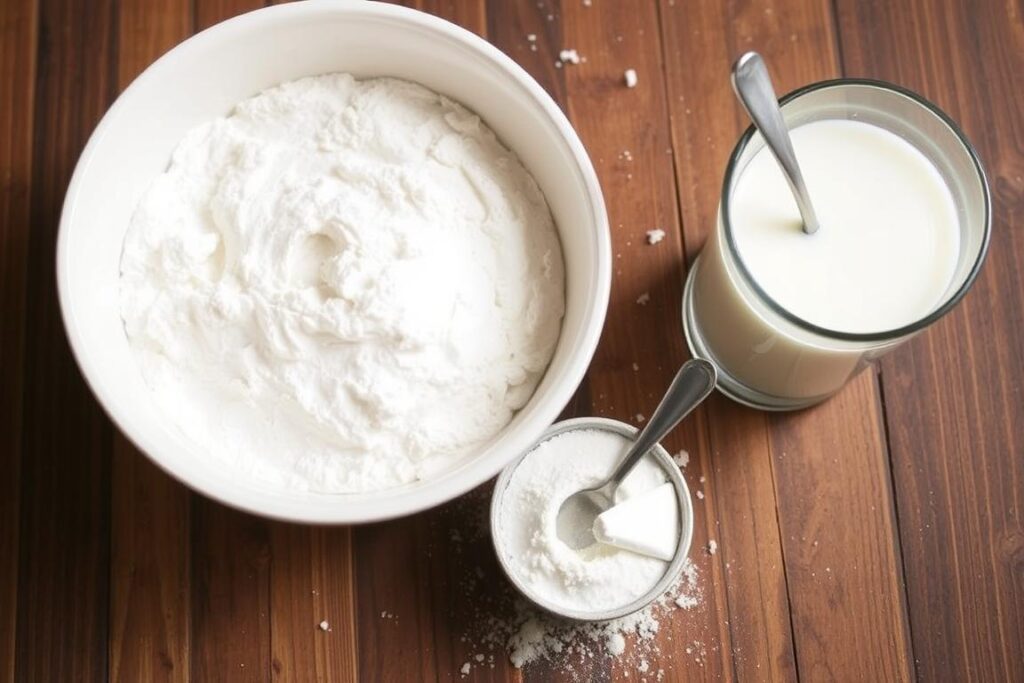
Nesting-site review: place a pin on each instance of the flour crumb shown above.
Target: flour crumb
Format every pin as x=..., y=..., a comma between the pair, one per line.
x=640, y=417
x=686, y=602
x=616, y=644
x=466, y=669
x=636, y=367
x=644, y=298
x=643, y=666
x=569, y=56
x=531, y=37
x=682, y=458
x=712, y=547
x=324, y=626
x=630, y=76
x=655, y=236
x=700, y=494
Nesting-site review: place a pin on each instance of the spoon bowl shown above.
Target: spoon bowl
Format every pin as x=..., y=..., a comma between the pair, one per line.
x=692, y=384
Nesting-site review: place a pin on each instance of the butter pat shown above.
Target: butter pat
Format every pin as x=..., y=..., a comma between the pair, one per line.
x=647, y=524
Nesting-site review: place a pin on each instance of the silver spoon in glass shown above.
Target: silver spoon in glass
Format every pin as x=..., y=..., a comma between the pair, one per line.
x=692, y=384
x=754, y=89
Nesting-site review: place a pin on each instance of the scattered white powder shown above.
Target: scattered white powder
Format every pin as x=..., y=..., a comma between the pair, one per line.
x=530, y=636
x=324, y=625
x=494, y=620
x=682, y=459
x=344, y=286
x=712, y=547
x=466, y=668
x=569, y=56
x=655, y=236
x=630, y=77
x=643, y=299
x=593, y=579
x=700, y=494
x=616, y=644
x=640, y=418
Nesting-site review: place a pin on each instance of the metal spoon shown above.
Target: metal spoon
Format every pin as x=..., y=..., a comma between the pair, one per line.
x=576, y=516
x=754, y=89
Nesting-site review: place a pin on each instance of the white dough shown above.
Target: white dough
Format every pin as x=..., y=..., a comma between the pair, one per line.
x=343, y=286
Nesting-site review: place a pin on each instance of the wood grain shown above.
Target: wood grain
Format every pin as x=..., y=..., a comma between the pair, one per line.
x=413, y=624
x=110, y=569
x=231, y=554
x=312, y=580
x=953, y=395
x=17, y=81
x=149, y=544
x=798, y=42
x=230, y=604
x=625, y=131
x=66, y=439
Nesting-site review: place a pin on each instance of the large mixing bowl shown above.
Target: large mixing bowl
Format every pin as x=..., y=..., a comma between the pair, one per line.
x=204, y=78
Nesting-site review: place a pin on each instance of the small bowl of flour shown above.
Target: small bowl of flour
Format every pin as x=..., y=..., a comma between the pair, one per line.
x=600, y=582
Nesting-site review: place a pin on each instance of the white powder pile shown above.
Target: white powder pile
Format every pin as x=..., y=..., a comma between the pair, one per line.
x=531, y=636
x=593, y=579
x=494, y=621
x=343, y=286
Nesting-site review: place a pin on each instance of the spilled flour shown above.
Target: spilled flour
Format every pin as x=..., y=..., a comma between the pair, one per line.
x=496, y=624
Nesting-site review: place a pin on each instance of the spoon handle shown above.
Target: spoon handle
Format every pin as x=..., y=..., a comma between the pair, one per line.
x=692, y=384
x=753, y=86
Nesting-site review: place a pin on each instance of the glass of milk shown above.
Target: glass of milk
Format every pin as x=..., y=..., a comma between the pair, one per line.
x=905, y=222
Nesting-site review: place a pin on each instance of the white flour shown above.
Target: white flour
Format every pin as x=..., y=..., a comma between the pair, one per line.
x=343, y=286
x=597, y=578
x=530, y=636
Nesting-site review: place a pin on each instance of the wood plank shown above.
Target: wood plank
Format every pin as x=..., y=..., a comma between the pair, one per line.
x=737, y=464
x=626, y=134
x=149, y=572
x=394, y=579
x=838, y=525
x=64, y=544
x=952, y=395
x=18, y=32
x=312, y=580
x=412, y=613
x=231, y=556
x=230, y=594
x=798, y=42
x=149, y=565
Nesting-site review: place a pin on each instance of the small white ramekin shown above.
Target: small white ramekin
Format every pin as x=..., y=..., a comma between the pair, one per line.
x=672, y=568
x=203, y=78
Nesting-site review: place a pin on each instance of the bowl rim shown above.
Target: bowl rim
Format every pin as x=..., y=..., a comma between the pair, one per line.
x=673, y=567
x=387, y=503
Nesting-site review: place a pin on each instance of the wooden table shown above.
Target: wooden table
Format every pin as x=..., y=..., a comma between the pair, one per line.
x=877, y=537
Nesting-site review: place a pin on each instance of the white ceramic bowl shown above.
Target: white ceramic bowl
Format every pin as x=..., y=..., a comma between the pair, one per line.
x=203, y=78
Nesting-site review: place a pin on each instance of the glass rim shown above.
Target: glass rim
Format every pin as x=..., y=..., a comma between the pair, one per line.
x=883, y=335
